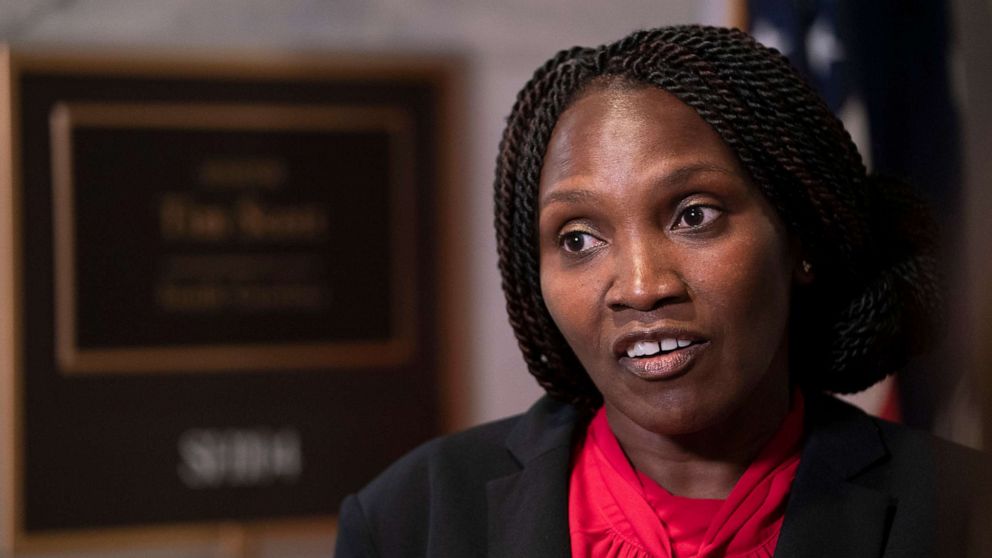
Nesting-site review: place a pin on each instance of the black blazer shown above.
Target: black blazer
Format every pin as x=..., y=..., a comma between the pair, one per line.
x=864, y=488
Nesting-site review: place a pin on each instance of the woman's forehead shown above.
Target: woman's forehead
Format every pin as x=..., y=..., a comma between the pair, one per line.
x=606, y=130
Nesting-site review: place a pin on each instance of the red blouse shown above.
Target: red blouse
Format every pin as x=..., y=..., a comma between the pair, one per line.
x=615, y=511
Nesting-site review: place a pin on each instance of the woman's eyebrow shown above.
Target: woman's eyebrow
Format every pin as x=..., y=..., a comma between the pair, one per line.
x=678, y=176
x=567, y=196
x=683, y=174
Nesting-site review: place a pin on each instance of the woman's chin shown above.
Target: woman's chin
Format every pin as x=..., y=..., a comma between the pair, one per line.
x=671, y=415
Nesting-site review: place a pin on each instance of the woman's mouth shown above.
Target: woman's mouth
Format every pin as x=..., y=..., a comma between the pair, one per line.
x=661, y=358
x=651, y=348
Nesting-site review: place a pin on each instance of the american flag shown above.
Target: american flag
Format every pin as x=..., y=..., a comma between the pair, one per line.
x=882, y=67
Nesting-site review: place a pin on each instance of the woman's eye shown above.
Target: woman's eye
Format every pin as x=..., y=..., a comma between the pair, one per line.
x=578, y=241
x=696, y=216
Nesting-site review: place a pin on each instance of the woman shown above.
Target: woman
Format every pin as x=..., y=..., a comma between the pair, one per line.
x=692, y=254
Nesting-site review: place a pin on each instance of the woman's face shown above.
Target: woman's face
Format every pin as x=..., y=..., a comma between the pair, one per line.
x=667, y=271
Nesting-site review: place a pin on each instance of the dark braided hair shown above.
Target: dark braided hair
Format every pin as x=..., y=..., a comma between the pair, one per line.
x=876, y=297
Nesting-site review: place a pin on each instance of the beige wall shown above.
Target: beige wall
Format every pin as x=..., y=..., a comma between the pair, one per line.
x=503, y=41
x=973, y=83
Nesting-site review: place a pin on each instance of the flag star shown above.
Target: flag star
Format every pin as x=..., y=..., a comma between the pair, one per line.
x=771, y=36
x=822, y=47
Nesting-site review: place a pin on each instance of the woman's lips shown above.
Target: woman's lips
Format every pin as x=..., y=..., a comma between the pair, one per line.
x=664, y=366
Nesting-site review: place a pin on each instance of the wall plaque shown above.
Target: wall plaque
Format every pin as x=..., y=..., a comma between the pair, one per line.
x=219, y=294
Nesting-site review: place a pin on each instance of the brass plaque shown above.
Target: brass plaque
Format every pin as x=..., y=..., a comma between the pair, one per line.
x=232, y=236
x=219, y=299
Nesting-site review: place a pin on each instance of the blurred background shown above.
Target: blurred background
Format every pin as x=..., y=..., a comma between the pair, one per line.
x=913, y=83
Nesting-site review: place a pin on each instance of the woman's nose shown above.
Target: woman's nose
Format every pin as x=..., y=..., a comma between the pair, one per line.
x=645, y=277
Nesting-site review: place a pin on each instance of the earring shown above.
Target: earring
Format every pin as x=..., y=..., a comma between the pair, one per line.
x=806, y=266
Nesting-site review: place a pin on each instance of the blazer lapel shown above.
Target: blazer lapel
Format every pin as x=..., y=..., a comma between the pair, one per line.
x=828, y=513
x=528, y=510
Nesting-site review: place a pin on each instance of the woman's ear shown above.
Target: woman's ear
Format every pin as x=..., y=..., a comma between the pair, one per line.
x=804, y=273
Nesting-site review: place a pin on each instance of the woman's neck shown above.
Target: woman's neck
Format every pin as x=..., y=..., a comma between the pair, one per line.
x=705, y=464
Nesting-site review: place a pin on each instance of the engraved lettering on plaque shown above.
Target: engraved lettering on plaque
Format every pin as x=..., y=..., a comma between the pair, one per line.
x=230, y=237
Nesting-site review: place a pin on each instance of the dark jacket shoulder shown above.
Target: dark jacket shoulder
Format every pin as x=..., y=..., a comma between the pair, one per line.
x=958, y=488
x=865, y=487
x=892, y=490
x=436, y=497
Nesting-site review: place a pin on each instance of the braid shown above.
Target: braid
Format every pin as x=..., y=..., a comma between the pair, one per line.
x=871, y=281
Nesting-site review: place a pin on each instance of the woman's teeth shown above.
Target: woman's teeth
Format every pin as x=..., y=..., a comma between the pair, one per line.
x=651, y=348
